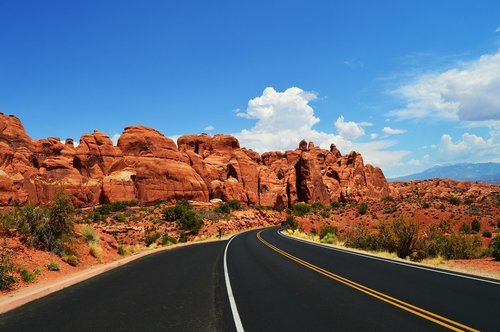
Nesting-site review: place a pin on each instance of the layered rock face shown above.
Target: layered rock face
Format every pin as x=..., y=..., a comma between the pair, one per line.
x=147, y=166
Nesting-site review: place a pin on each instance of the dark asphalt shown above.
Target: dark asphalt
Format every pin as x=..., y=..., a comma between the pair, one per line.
x=176, y=290
x=184, y=290
x=274, y=293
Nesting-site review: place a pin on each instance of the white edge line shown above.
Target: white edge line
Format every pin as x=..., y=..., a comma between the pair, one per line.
x=388, y=260
x=234, y=308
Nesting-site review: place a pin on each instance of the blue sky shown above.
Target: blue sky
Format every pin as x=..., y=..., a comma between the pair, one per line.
x=410, y=84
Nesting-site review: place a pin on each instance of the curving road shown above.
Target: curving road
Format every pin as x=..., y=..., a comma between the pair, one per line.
x=276, y=284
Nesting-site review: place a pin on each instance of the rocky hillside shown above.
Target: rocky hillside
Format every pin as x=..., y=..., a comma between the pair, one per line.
x=148, y=166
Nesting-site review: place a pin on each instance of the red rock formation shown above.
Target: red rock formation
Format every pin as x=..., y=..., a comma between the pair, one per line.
x=147, y=166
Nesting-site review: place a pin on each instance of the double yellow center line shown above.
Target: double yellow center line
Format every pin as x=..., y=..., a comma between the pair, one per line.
x=448, y=323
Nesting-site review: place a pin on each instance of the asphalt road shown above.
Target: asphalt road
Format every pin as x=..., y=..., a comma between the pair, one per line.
x=278, y=284
x=176, y=290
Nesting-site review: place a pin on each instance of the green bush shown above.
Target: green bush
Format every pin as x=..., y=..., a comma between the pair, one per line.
x=400, y=236
x=325, y=214
x=360, y=237
x=454, y=200
x=95, y=250
x=319, y=206
x=6, y=268
x=363, y=208
x=301, y=209
x=475, y=225
x=106, y=209
x=330, y=238
x=167, y=240
x=150, y=239
x=291, y=222
x=27, y=275
x=183, y=237
x=464, y=228
x=234, y=204
x=325, y=230
x=335, y=205
x=53, y=266
x=120, y=217
x=425, y=205
x=90, y=234
x=460, y=246
x=495, y=245
x=184, y=216
x=50, y=227
x=71, y=259
x=487, y=233
x=388, y=198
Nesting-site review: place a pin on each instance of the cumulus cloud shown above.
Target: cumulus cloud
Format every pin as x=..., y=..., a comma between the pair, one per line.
x=350, y=130
x=285, y=118
x=468, y=93
x=209, y=128
x=498, y=29
x=390, y=131
x=373, y=135
x=469, y=146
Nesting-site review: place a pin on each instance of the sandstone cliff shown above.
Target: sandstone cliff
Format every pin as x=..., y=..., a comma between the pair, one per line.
x=148, y=166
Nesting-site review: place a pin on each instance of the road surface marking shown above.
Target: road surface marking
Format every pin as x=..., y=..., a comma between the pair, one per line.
x=234, y=308
x=448, y=323
x=389, y=260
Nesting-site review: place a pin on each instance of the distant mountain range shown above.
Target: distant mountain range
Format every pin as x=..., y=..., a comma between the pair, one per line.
x=485, y=172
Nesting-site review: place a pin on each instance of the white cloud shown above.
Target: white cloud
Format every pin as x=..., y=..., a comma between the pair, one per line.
x=468, y=93
x=498, y=29
x=209, y=128
x=285, y=118
x=373, y=135
x=349, y=130
x=390, y=131
x=115, y=138
x=469, y=147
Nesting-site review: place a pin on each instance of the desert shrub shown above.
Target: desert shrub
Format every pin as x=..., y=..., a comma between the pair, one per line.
x=325, y=214
x=468, y=201
x=27, y=275
x=425, y=205
x=475, y=225
x=454, y=200
x=389, y=209
x=50, y=227
x=120, y=217
x=183, y=214
x=126, y=250
x=301, y=209
x=183, y=237
x=319, y=206
x=363, y=208
x=387, y=198
x=400, y=236
x=264, y=208
x=6, y=268
x=95, y=250
x=360, y=237
x=53, y=266
x=445, y=226
x=464, y=228
x=495, y=246
x=325, y=230
x=90, y=234
x=442, y=207
x=106, y=209
x=234, y=204
x=291, y=222
x=460, y=246
x=167, y=240
x=95, y=216
x=335, y=205
x=223, y=209
x=329, y=238
x=150, y=239
x=71, y=259
x=487, y=233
